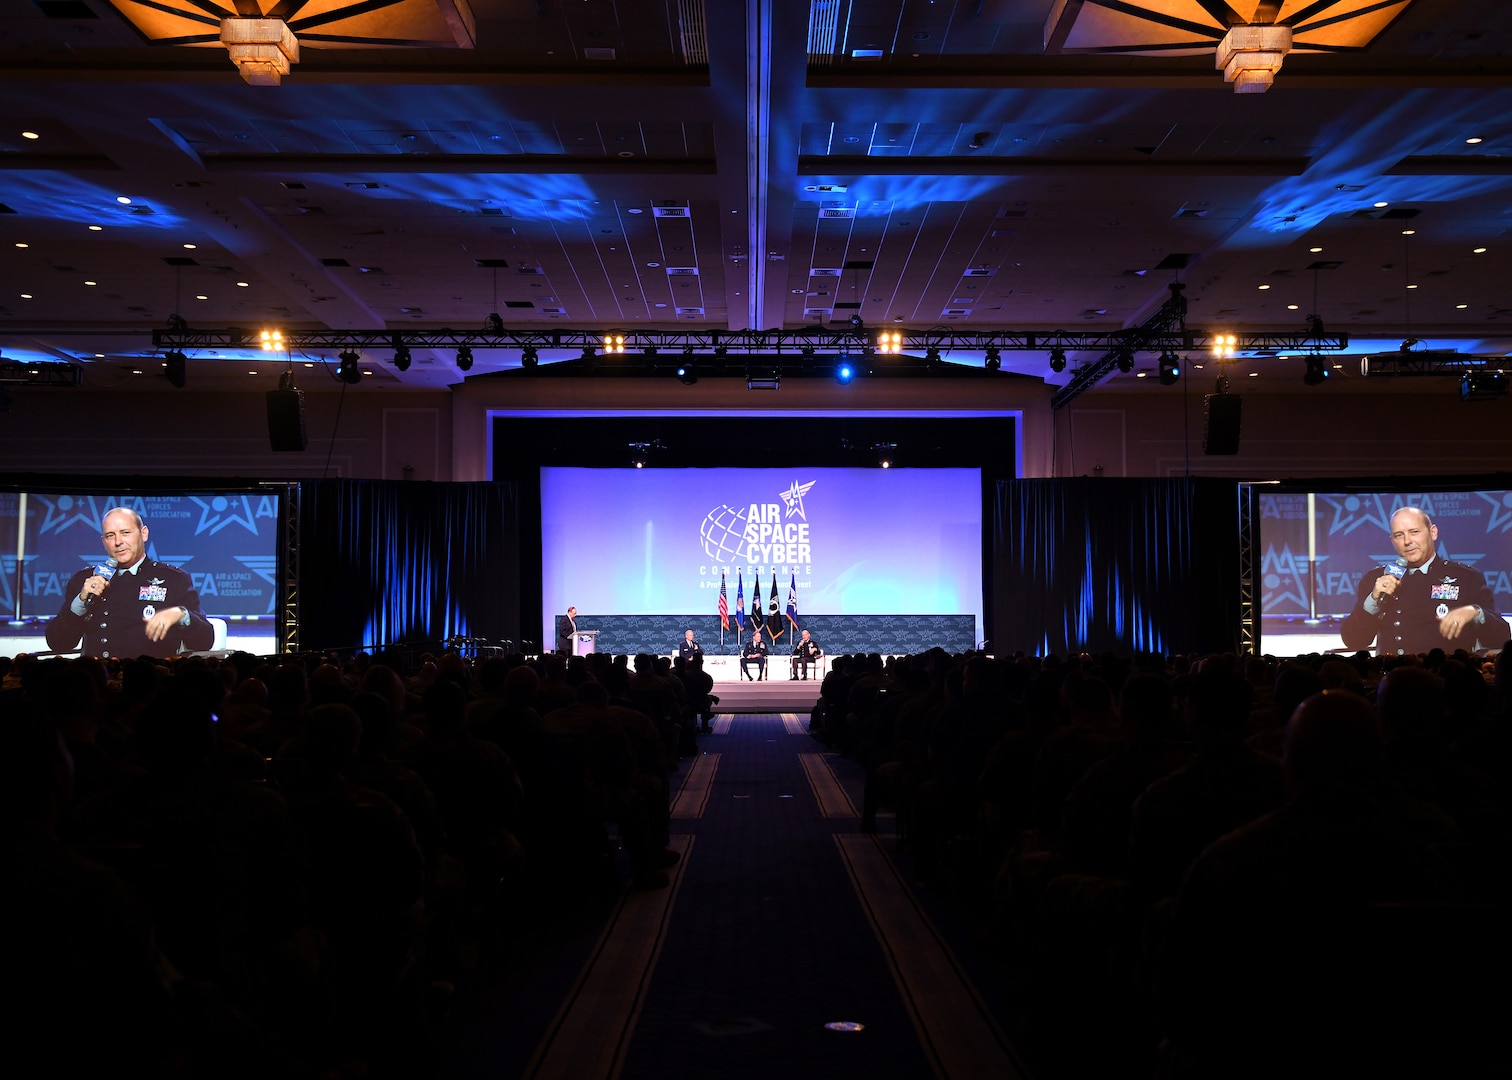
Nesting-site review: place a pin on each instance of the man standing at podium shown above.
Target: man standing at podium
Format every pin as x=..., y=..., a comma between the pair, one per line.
x=567, y=632
x=755, y=652
x=689, y=648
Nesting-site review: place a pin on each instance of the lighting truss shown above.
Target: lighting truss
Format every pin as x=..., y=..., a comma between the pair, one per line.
x=1417, y=364
x=746, y=342
x=46, y=373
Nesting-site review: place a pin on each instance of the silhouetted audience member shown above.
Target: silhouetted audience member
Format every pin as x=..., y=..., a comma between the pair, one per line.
x=1266, y=971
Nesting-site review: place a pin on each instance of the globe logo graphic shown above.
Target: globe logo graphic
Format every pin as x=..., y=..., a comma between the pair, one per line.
x=721, y=531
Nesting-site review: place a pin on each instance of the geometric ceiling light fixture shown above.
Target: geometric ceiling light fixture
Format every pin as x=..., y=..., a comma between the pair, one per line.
x=263, y=36
x=1249, y=38
x=261, y=49
x=1250, y=56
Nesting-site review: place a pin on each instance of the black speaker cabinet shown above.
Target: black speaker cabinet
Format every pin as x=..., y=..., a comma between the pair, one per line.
x=1220, y=424
x=286, y=420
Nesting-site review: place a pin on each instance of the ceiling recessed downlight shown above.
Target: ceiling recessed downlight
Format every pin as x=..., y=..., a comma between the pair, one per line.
x=30, y=135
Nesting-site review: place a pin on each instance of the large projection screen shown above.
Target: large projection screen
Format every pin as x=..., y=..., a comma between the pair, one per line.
x=226, y=540
x=1318, y=545
x=856, y=541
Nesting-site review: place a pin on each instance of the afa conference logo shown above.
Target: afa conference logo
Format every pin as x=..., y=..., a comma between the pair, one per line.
x=761, y=533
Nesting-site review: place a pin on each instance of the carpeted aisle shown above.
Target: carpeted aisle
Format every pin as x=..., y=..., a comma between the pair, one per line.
x=781, y=918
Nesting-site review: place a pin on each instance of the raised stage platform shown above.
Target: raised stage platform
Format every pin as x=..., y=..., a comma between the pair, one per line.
x=769, y=696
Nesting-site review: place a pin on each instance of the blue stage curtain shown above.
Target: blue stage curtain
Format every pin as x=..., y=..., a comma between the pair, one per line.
x=1112, y=564
x=389, y=562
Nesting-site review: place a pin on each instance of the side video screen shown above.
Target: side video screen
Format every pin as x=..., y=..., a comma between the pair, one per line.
x=226, y=541
x=1322, y=549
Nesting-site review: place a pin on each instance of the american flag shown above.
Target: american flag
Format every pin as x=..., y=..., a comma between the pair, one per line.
x=724, y=604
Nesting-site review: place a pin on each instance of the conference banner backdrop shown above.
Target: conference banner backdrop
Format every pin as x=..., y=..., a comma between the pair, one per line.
x=869, y=542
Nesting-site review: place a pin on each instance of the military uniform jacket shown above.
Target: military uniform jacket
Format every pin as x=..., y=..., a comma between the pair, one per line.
x=688, y=650
x=807, y=649
x=754, y=649
x=1409, y=619
x=116, y=624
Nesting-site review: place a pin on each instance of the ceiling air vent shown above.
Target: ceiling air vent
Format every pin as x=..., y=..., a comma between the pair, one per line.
x=498, y=264
x=1174, y=261
x=955, y=312
x=180, y=260
x=979, y=271
x=837, y=212
x=529, y=270
x=598, y=54
x=825, y=271
x=689, y=310
x=682, y=271
x=518, y=304
x=334, y=262
x=671, y=211
x=858, y=264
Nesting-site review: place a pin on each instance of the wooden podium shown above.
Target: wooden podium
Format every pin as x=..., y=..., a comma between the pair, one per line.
x=584, y=642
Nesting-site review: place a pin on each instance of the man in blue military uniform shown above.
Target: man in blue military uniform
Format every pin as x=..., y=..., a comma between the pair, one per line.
x=1421, y=601
x=755, y=652
x=689, y=648
x=136, y=607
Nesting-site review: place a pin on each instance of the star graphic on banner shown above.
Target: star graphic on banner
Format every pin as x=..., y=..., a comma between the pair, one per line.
x=220, y=511
x=1501, y=510
x=793, y=496
x=66, y=510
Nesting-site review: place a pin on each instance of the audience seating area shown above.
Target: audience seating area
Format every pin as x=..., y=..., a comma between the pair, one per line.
x=1211, y=866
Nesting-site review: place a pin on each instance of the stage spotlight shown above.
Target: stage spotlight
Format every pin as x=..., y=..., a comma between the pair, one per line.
x=891, y=342
x=844, y=373
x=1125, y=360
x=885, y=454
x=588, y=353
x=1316, y=373
x=529, y=358
x=994, y=359
x=173, y=367
x=494, y=324
x=686, y=375
x=401, y=356
x=856, y=323
x=932, y=356
x=1170, y=369
x=1057, y=360
x=614, y=344
x=347, y=371
x=464, y=358
x=638, y=452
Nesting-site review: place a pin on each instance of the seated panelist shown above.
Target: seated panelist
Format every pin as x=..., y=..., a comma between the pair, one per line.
x=806, y=651
x=755, y=652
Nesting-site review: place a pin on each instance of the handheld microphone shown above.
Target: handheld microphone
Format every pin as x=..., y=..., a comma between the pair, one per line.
x=106, y=572
x=1397, y=569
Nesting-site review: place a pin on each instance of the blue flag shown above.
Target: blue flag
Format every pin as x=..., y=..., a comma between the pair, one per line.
x=792, y=608
x=740, y=600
